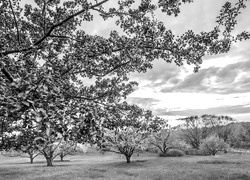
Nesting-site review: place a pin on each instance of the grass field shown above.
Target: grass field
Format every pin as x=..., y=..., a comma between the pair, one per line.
x=147, y=166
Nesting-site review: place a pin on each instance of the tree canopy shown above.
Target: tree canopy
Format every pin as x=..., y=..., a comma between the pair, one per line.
x=45, y=57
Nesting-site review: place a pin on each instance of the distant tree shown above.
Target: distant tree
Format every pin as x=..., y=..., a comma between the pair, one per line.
x=126, y=141
x=239, y=136
x=213, y=144
x=222, y=125
x=162, y=141
x=19, y=138
x=68, y=147
x=195, y=129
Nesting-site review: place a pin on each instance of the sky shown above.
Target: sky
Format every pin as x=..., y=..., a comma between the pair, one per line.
x=222, y=85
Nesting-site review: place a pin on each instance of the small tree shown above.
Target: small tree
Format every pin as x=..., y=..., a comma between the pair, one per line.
x=213, y=144
x=28, y=151
x=161, y=140
x=67, y=147
x=20, y=141
x=125, y=141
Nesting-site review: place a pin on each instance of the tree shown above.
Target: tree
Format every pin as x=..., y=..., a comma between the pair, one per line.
x=162, y=141
x=45, y=56
x=239, y=136
x=126, y=141
x=19, y=138
x=222, y=125
x=56, y=53
x=67, y=147
x=195, y=129
x=214, y=144
x=25, y=145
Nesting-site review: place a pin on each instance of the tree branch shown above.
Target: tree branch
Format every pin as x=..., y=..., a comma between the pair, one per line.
x=66, y=37
x=39, y=41
x=43, y=14
x=66, y=20
x=17, y=29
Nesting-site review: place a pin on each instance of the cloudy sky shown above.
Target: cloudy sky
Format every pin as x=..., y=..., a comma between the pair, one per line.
x=221, y=87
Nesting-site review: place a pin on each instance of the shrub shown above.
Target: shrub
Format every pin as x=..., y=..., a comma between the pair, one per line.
x=173, y=153
x=213, y=144
x=196, y=152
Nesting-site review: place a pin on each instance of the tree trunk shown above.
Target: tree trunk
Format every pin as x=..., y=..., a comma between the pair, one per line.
x=31, y=160
x=128, y=159
x=61, y=156
x=49, y=161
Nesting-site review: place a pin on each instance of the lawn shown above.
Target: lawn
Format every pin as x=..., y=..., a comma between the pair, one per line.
x=147, y=166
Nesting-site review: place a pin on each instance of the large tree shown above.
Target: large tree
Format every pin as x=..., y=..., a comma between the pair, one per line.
x=45, y=55
x=44, y=52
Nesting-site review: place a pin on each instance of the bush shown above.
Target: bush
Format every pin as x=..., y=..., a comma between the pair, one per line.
x=173, y=153
x=196, y=152
x=213, y=144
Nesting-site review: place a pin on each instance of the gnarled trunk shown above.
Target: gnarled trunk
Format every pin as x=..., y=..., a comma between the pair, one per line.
x=128, y=158
x=49, y=161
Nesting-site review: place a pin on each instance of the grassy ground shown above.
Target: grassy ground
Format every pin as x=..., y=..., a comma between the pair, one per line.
x=147, y=166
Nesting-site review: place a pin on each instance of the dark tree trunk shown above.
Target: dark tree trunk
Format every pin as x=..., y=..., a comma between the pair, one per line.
x=128, y=159
x=61, y=156
x=31, y=160
x=49, y=161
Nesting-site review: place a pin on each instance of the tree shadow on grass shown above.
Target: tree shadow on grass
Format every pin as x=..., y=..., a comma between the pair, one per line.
x=217, y=162
x=239, y=176
x=124, y=164
x=35, y=162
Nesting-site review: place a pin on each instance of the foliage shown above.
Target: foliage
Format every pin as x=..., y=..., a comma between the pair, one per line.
x=162, y=141
x=197, y=128
x=196, y=152
x=126, y=141
x=124, y=115
x=174, y=153
x=239, y=137
x=213, y=144
x=222, y=125
x=45, y=55
x=68, y=147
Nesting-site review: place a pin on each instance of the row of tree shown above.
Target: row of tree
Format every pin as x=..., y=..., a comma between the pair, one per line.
x=59, y=137
x=125, y=132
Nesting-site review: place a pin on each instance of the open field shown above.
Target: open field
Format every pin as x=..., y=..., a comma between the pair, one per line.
x=147, y=166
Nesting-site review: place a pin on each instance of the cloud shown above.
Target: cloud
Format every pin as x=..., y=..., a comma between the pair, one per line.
x=233, y=78
x=161, y=70
x=226, y=110
x=146, y=103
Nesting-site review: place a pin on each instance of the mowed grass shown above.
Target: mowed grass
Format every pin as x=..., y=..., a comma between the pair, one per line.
x=147, y=166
